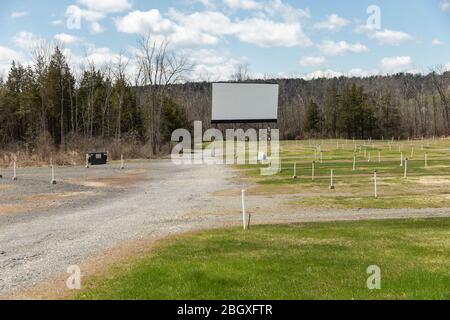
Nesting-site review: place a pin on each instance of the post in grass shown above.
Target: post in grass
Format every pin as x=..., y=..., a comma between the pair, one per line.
x=405, y=175
x=354, y=162
x=295, y=170
x=244, y=214
x=87, y=160
x=370, y=157
x=14, y=172
x=401, y=159
x=53, y=181
x=331, y=180
x=375, y=184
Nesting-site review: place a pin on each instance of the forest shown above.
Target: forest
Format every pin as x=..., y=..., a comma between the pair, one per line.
x=46, y=106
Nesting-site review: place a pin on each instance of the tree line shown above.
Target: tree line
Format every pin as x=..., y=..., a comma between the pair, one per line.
x=48, y=101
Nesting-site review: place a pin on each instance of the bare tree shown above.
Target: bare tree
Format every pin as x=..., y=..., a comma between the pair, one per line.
x=440, y=83
x=122, y=81
x=158, y=68
x=41, y=54
x=242, y=73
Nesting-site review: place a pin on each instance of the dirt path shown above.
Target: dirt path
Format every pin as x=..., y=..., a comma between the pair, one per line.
x=149, y=201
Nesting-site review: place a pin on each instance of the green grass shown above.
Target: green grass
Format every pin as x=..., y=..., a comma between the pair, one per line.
x=424, y=187
x=303, y=261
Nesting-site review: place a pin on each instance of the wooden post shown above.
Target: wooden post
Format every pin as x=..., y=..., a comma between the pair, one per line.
x=14, y=172
x=244, y=216
x=375, y=183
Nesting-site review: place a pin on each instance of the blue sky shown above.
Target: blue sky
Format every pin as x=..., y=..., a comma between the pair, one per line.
x=273, y=37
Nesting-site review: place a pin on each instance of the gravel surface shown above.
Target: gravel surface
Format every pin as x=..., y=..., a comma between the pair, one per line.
x=44, y=228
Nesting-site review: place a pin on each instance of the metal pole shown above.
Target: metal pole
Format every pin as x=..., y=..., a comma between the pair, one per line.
x=375, y=183
x=14, y=174
x=406, y=168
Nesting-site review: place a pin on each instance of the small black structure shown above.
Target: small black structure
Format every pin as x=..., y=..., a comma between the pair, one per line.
x=97, y=158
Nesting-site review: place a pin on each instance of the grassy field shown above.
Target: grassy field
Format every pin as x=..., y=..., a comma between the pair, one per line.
x=425, y=186
x=303, y=261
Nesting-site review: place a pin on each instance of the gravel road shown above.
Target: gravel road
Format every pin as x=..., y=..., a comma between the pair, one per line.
x=44, y=229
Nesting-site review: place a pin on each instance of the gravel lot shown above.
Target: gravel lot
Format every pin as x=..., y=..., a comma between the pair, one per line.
x=44, y=228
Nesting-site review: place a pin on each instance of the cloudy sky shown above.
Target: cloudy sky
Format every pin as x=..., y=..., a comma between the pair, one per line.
x=282, y=38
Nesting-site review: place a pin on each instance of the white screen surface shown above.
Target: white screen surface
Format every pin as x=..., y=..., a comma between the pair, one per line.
x=244, y=102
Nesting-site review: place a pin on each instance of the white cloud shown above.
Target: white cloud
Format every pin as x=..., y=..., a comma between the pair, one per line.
x=66, y=38
x=89, y=15
x=391, y=37
x=266, y=33
x=106, y=6
x=19, y=14
x=243, y=4
x=206, y=28
x=445, y=5
x=437, y=42
x=25, y=39
x=7, y=56
x=332, y=23
x=212, y=65
x=57, y=22
x=396, y=64
x=312, y=61
x=332, y=48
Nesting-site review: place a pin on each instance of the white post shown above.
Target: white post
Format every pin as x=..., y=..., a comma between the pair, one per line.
x=312, y=171
x=375, y=183
x=87, y=160
x=354, y=162
x=295, y=170
x=379, y=156
x=122, y=164
x=406, y=168
x=426, y=160
x=370, y=157
x=331, y=180
x=53, y=181
x=14, y=173
x=401, y=159
x=244, y=215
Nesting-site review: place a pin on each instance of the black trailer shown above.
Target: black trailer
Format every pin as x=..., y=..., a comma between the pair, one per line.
x=97, y=158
